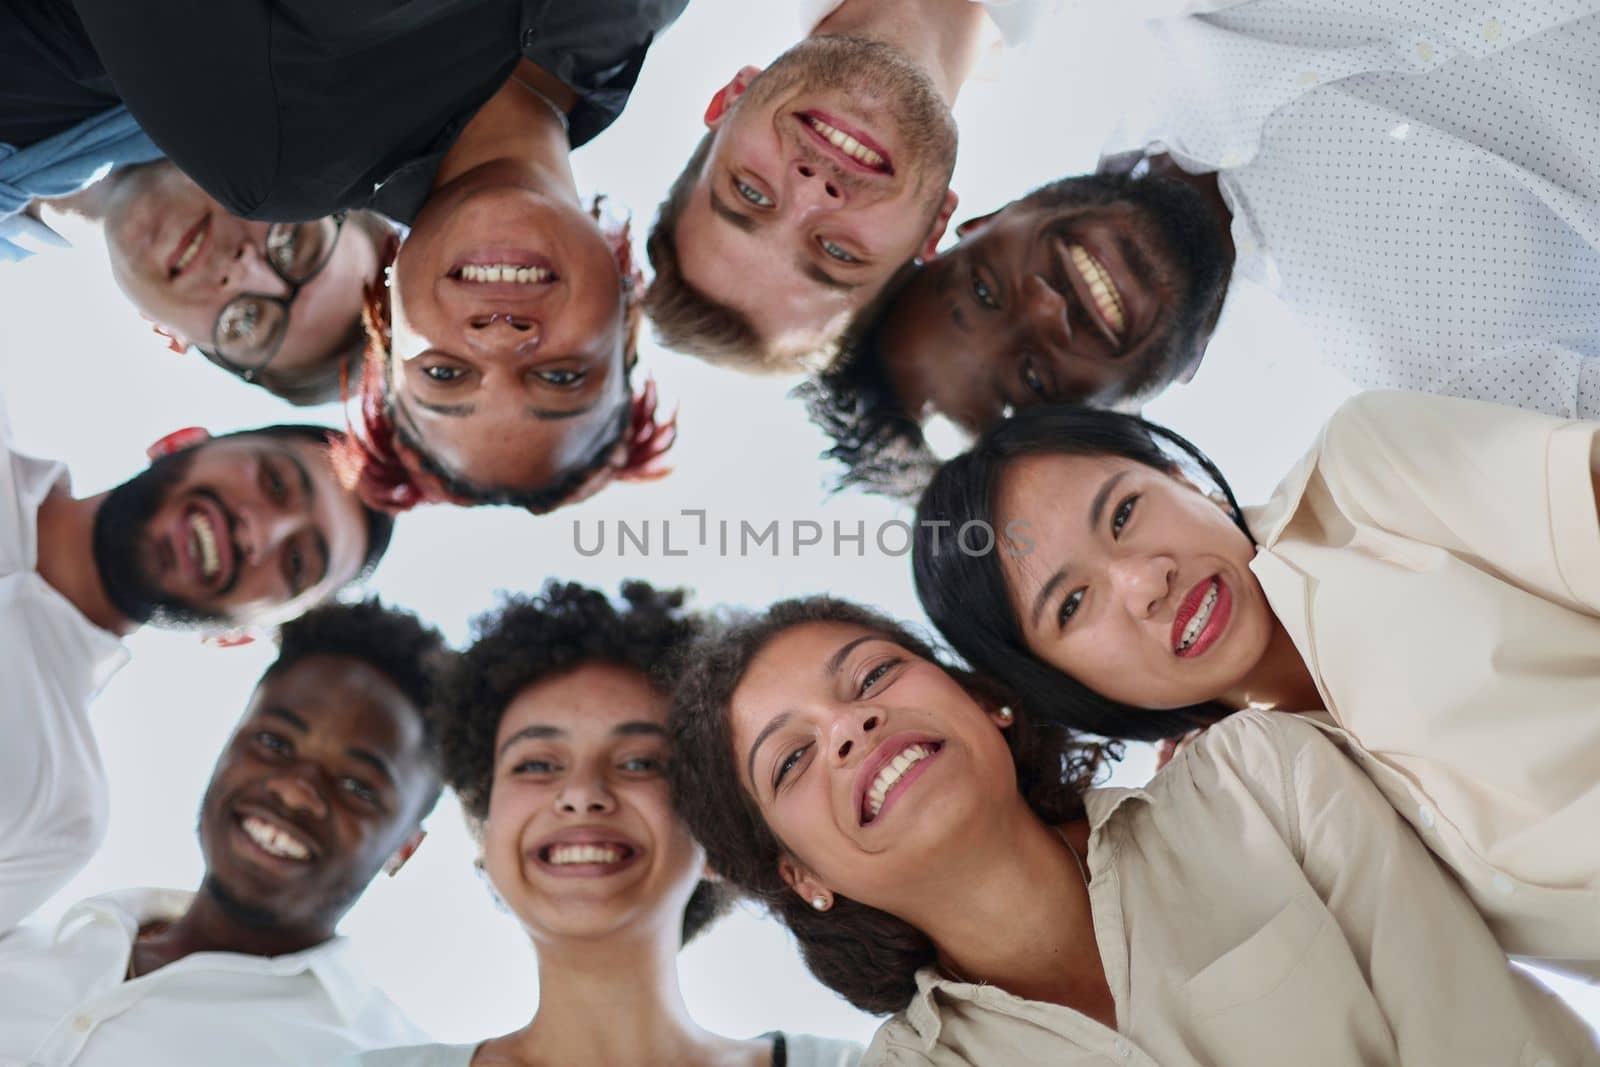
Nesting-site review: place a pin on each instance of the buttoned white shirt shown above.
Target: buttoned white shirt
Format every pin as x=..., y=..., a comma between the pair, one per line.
x=64, y=998
x=1420, y=182
x=1436, y=562
x=53, y=661
x=1259, y=904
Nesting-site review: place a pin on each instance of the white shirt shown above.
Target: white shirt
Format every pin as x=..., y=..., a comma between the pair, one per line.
x=64, y=1000
x=53, y=661
x=1420, y=182
x=803, y=1050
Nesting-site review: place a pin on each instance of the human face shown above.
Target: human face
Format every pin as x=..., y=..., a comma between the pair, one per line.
x=508, y=383
x=181, y=259
x=823, y=179
x=1137, y=585
x=243, y=530
x=1075, y=293
x=872, y=765
x=324, y=779
x=581, y=839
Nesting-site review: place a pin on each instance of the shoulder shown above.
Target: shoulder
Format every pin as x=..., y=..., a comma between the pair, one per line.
x=809, y=1050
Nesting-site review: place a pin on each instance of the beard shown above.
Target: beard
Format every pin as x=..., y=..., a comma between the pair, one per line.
x=875, y=70
x=123, y=554
x=1195, y=245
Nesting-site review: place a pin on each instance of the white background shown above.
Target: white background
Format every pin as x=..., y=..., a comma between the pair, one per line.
x=86, y=382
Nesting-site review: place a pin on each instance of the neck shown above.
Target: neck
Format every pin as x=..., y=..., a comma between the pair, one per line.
x=517, y=136
x=1280, y=679
x=206, y=927
x=941, y=36
x=1015, y=913
x=65, y=528
x=613, y=1000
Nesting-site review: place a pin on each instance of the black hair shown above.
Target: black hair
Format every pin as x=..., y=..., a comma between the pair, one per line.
x=965, y=594
x=528, y=639
x=393, y=642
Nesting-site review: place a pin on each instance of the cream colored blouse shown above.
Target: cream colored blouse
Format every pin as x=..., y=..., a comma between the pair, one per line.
x=1259, y=903
x=1437, y=563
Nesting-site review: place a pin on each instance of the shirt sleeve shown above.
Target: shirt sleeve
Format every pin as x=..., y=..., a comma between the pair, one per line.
x=1508, y=490
x=1417, y=940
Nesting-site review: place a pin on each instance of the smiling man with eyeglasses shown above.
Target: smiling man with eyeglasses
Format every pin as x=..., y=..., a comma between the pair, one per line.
x=276, y=305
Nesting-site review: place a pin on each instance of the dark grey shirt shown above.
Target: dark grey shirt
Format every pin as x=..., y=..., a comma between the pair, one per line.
x=295, y=109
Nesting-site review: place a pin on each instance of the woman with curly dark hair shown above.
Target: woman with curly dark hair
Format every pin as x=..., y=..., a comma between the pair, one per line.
x=938, y=854
x=1424, y=583
x=554, y=737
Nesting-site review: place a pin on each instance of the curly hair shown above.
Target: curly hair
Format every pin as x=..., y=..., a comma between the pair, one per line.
x=878, y=442
x=395, y=643
x=528, y=639
x=866, y=955
x=965, y=594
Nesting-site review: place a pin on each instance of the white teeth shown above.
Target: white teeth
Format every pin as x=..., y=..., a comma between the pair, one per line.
x=846, y=144
x=891, y=773
x=1202, y=615
x=193, y=248
x=204, y=539
x=273, y=841
x=505, y=272
x=1106, y=298
x=565, y=854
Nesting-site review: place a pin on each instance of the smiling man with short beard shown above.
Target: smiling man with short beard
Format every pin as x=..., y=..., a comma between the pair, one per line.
x=325, y=781
x=819, y=179
x=242, y=530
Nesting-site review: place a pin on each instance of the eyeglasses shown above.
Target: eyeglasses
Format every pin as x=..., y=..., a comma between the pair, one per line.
x=251, y=327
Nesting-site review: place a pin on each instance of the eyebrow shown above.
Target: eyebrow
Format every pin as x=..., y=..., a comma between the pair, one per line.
x=640, y=728
x=822, y=277
x=1044, y=594
x=536, y=732
x=1098, y=507
x=373, y=760
x=727, y=214
x=309, y=490
x=273, y=711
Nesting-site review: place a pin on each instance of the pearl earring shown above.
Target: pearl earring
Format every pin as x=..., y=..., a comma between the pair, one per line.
x=819, y=902
x=1006, y=715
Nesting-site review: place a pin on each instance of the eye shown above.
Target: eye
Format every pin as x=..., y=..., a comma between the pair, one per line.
x=273, y=743
x=359, y=789
x=294, y=567
x=1069, y=607
x=1124, y=512
x=750, y=194
x=644, y=765
x=564, y=379
x=789, y=763
x=282, y=243
x=876, y=675
x=273, y=483
x=836, y=251
x=1032, y=379
x=239, y=320
x=982, y=293
x=442, y=372
x=535, y=766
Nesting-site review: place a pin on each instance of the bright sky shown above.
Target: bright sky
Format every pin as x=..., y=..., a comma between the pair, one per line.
x=86, y=382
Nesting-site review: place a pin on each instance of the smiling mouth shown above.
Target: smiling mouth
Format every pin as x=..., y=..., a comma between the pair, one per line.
x=502, y=273
x=203, y=544
x=273, y=841
x=1109, y=309
x=1201, y=618
x=847, y=144
x=891, y=775
x=189, y=247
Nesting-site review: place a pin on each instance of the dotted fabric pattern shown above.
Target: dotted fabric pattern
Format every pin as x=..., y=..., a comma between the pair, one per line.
x=1419, y=180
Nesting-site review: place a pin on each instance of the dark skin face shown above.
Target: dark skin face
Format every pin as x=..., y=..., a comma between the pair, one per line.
x=1037, y=304
x=322, y=782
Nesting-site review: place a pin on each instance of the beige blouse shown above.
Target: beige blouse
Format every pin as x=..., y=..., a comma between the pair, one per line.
x=1437, y=563
x=1259, y=903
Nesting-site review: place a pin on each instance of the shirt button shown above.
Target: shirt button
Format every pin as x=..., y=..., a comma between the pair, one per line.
x=1425, y=817
x=83, y=1024
x=1425, y=51
x=529, y=38
x=1491, y=30
x=1503, y=885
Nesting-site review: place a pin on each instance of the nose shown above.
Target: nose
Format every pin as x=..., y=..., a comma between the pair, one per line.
x=1046, y=310
x=495, y=330
x=585, y=793
x=1143, y=582
x=849, y=731
x=297, y=794
x=811, y=188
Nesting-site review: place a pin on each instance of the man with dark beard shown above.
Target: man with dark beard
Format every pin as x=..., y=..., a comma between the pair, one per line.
x=820, y=178
x=1102, y=288
x=326, y=780
x=244, y=530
